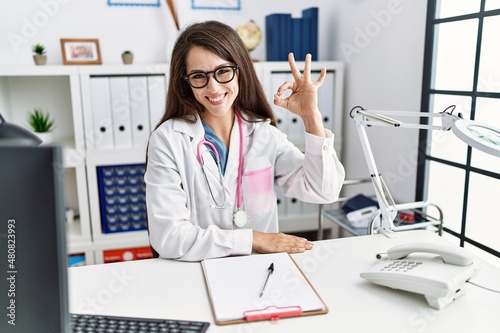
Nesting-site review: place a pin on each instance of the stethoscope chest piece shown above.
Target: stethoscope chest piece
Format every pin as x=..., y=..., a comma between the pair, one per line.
x=240, y=218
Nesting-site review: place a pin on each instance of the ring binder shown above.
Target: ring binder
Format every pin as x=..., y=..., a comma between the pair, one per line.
x=272, y=313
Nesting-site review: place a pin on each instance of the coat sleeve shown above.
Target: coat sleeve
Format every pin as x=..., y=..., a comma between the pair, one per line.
x=315, y=176
x=171, y=233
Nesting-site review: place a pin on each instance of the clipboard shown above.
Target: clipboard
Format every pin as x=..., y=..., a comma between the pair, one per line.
x=234, y=285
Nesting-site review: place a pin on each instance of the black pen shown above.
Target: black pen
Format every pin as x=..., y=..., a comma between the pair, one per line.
x=270, y=271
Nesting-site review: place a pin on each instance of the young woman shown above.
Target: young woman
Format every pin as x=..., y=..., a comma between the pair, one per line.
x=215, y=157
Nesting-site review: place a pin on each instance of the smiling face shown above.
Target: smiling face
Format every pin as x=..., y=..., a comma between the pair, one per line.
x=216, y=98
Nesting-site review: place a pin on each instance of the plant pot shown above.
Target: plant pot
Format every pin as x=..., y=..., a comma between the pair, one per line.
x=46, y=137
x=127, y=58
x=40, y=59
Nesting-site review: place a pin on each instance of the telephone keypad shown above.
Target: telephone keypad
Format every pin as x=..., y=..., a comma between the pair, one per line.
x=400, y=266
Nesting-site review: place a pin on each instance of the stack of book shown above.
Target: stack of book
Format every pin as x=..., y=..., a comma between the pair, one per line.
x=285, y=34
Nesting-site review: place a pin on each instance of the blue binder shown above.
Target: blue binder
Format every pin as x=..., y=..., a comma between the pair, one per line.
x=310, y=16
x=298, y=41
x=278, y=37
x=285, y=34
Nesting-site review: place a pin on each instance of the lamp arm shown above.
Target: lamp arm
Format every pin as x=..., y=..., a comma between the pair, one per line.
x=384, y=198
x=481, y=136
x=381, y=118
x=366, y=118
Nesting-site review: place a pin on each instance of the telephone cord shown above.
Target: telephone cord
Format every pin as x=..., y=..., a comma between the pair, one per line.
x=486, y=288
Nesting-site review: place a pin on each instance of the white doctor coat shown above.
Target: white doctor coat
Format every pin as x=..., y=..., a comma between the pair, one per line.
x=183, y=222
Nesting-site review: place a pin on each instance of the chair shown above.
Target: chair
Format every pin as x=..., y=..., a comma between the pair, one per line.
x=155, y=253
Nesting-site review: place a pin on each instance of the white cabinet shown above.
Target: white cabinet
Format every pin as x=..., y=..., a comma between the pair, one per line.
x=104, y=115
x=55, y=89
x=295, y=215
x=121, y=104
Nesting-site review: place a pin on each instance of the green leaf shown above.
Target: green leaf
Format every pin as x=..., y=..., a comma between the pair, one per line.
x=39, y=121
x=38, y=49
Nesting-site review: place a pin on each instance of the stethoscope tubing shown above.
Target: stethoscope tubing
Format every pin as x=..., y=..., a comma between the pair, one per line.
x=199, y=156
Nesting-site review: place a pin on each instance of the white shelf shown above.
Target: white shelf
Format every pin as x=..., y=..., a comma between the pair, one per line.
x=23, y=70
x=300, y=223
x=66, y=70
x=76, y=241
x=119, y=240
x=116, y=156
x=65, y=91
x=139, y=69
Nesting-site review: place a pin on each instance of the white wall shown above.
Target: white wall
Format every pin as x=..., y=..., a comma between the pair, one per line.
x=380, y=41
x=386, y=74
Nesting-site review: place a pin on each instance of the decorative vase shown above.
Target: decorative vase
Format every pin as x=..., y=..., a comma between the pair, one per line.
x=46, y=137
x=40, y=59
x=127, y=58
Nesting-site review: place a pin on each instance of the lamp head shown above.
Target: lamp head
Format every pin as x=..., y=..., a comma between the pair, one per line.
x=478, y=135
x=11, y=134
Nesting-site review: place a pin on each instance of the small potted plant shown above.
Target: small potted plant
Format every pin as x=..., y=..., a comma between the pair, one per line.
x=39, y=55
x=127, y=57
x=41, y=124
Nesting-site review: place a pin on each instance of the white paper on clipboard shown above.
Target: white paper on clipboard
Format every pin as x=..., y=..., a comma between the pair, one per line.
x=234, y=285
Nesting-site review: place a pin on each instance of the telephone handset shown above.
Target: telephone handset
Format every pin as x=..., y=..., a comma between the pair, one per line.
x=453, y=255
x=438, y=271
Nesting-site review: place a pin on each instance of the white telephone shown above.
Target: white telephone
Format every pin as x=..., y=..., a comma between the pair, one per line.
x=441, y=279
x=361, y=218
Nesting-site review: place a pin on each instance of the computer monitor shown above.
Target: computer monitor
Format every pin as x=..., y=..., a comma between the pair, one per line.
x=33, y=290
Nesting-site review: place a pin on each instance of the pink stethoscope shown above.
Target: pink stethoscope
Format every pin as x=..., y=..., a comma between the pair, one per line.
x=240, y=217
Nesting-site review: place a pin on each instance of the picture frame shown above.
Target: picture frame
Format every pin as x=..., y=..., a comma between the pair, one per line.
x=154, y=3
x=216, y=5
x=80, y=51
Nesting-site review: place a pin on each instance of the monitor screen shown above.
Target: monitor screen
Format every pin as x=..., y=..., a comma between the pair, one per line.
x=33, y=263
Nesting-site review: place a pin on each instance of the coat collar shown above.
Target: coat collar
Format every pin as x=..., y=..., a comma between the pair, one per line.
x=193, y=130
x=196, y=131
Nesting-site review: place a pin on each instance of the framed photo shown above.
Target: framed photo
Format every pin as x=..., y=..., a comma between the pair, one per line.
x=155, y=3
x=216, y=4
x=81, y=51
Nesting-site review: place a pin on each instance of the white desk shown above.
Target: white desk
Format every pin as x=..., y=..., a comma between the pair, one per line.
x=159, y=288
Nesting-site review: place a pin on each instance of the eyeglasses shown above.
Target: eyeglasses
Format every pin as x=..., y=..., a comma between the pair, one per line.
x=223, y=74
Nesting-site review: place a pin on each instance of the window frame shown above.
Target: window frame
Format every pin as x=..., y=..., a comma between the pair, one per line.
x=428, y=92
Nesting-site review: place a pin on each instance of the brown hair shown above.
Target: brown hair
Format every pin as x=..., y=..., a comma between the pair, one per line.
x=223, y=41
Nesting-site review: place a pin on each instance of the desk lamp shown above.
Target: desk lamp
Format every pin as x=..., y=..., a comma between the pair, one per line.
x=13, y=134
x=477, y=135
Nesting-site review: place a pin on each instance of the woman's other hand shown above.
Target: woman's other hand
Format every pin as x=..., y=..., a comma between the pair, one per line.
x=279, y=242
